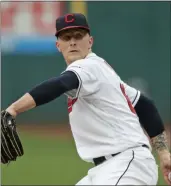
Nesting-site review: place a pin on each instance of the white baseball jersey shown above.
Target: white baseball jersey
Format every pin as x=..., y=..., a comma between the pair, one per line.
x=101, y=113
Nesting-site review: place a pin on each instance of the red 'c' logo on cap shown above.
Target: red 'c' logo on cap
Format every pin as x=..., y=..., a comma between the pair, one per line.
x=69, y=18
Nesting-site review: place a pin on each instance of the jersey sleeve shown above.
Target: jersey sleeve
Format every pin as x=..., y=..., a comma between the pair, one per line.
x=88, y=82
x=132, y=93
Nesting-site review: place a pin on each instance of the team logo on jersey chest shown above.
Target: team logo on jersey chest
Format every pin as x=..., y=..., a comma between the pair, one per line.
x=71, y=103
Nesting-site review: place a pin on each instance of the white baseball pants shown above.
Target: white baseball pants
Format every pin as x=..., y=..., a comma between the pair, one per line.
x=135, y=166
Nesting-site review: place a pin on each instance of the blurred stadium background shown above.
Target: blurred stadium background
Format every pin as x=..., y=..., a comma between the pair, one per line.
x=134, y=37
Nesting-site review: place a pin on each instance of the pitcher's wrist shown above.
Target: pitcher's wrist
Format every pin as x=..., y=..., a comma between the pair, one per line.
x=12, y=111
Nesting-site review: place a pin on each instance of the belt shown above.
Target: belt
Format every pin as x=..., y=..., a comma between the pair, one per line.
x=101, y=159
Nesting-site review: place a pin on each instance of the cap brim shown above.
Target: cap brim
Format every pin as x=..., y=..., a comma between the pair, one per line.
x=70, y=27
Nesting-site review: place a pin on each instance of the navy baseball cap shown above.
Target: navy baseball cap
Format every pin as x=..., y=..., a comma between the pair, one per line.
x=68, y=21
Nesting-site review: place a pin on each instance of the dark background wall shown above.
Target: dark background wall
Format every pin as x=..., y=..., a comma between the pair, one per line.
x=134, y=37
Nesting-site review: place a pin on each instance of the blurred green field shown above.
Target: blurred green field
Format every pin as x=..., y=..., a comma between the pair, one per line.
x=47, y=161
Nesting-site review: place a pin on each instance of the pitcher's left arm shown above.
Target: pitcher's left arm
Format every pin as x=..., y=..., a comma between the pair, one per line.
x=151, y=121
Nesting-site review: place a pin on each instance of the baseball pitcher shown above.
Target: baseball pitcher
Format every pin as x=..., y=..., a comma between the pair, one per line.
x=107, y=117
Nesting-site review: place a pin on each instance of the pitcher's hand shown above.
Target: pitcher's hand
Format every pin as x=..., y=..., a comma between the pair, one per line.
x=165, y=163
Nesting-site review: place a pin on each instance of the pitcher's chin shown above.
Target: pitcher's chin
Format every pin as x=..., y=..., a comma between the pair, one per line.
x=73, y=57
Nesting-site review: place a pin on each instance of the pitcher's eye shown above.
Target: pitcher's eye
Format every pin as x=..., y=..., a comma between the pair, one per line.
x=78, y=36
x=66, y=38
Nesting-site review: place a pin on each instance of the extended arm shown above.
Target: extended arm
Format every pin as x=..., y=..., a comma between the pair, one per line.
x=44, y=93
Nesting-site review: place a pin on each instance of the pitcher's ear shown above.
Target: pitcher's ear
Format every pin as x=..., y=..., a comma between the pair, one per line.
x=57, y=46
x=91, y=40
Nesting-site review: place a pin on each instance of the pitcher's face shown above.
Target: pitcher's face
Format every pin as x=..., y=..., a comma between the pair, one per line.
x=74, y=44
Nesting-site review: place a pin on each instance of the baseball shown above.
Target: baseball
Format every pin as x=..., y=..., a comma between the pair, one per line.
x=169, y=176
